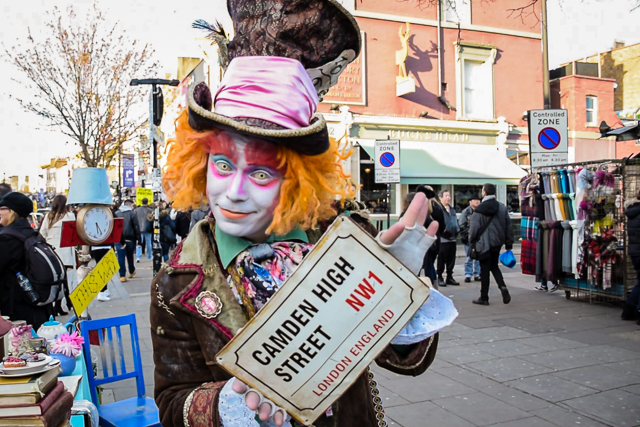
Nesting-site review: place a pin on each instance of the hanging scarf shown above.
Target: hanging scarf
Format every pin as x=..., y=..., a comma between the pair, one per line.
x=258, y=272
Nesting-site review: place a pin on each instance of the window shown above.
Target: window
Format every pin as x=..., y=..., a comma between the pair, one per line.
x=463, y=193
x=458, y=11
x=592, y=110
x=474, y=80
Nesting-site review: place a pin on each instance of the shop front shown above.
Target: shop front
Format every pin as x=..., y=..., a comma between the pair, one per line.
x=456, y=155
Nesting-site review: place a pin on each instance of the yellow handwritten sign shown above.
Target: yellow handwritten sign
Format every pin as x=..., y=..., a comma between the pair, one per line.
x=89, y=288
x=144, y=193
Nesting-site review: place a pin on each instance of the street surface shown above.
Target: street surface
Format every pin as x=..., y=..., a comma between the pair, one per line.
x=541, y=361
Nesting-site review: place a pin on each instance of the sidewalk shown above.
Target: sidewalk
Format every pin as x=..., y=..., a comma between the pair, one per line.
x=541, y=361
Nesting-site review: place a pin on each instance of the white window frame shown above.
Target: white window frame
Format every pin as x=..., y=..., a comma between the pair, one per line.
x=462, y=13
x=476, y=53
x=350, y=5
x=593, y=110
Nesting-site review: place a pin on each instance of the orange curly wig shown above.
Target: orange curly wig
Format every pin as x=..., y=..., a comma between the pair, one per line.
x=311, y=183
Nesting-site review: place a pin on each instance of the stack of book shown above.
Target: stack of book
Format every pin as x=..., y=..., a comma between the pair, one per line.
x=34, y=401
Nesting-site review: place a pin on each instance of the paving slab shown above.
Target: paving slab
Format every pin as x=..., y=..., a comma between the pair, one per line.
x=551, y=388
x=508, y=348
x=429, y=386
x=566, y=417
x=509, y=368
x=551, y=343
x=526, y=422
x=599, y=377
x=390, y=399
x=481, y=409
x=618, y=407
x=562, y=359
x=532, y=326
x=635, y=389
x=628, y=366
x=462, y=355
x=425, y=414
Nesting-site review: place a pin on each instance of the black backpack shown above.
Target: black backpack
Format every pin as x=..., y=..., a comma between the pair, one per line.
x=43, y=266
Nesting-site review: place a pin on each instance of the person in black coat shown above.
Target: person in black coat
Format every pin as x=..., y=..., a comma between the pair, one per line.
x=631, y=310
x=436, y=213
x=14, y=210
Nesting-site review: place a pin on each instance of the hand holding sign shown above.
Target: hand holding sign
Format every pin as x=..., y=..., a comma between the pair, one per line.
x=407, y=239
x=253, y=399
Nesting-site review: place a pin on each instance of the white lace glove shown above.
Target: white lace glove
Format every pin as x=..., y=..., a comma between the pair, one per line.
x=410, y=247
x=234, y=409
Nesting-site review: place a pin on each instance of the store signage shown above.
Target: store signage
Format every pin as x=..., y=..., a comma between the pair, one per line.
x=387, y=158
x=548, y=137
x=351, y=88
x=339, y=309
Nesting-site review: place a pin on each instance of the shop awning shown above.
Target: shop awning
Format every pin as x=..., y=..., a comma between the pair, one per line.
x=451, y=163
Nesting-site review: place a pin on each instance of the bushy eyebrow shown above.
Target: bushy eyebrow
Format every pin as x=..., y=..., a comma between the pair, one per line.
x=224, y=145
x=263, y=153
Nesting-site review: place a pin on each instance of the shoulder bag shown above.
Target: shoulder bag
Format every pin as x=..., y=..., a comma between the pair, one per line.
x=473, y=251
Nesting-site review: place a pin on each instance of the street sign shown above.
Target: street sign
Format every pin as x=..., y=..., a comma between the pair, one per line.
x=143, y=193
x=128, y=161
x=548, y=137
x=338, y=310
x=89, y=288
x=387, y=159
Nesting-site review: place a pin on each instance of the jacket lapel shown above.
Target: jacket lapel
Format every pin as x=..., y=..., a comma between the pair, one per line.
x=196, y=255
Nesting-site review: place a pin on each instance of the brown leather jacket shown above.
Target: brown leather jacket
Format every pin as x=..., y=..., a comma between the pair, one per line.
x=185, y=343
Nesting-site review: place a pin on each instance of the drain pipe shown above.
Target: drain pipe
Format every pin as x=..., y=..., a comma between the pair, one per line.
x=441, y=97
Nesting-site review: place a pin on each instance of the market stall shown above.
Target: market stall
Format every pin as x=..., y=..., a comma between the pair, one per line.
x=573, y=227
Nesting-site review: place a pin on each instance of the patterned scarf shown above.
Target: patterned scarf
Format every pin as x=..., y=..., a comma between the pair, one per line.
x=258, y=272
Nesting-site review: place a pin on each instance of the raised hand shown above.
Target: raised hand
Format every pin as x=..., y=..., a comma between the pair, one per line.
x=256, y=402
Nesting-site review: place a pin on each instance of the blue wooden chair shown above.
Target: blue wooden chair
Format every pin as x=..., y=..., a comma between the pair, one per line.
x=137, y=411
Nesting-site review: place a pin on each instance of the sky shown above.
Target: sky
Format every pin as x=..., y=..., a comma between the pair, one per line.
x=577, y=28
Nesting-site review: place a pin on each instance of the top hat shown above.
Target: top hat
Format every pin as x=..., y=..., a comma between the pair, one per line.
x=284, y=57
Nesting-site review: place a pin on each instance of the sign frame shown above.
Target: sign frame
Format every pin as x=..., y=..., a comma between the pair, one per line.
x=387, y=171
x=548, y=127
x=402, y=294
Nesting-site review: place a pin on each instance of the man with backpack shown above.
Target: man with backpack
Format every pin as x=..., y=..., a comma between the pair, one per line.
x=130, y=237
x=32, y=275
x=490, y=229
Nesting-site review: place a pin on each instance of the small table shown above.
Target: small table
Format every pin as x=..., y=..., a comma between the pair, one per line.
x=82, y=391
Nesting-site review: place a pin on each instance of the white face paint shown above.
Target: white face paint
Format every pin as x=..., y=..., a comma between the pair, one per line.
x=243, y=185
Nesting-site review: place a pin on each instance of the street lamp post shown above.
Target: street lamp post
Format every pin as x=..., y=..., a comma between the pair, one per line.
x=155, y=116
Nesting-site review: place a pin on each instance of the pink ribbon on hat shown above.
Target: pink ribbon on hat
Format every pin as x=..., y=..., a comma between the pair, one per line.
x=271, y=88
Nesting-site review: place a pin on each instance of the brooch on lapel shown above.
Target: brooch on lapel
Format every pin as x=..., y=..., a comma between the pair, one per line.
x=208, y=304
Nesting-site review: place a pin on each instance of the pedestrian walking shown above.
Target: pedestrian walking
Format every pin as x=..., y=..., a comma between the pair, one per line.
x=146, y=230
x=471, y=266
x=130, y=236
x=51, y=230
x=631, y=310
x=168, y=236
x=14, y=303
x=447, y=250
x=197, y=215
x=435, y=213
x=490, y=229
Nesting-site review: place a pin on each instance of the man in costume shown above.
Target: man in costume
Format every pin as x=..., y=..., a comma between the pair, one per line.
x=263, y=161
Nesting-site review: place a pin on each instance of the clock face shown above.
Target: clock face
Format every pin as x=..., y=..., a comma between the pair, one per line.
x=98, y=223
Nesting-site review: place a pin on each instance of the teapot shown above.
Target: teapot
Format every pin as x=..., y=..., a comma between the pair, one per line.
x=51, y=329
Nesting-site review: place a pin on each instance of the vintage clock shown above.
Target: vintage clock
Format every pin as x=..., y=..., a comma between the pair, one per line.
x=95, y=224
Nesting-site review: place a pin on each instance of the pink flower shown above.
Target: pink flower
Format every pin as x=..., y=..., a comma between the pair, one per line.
x=68, y=344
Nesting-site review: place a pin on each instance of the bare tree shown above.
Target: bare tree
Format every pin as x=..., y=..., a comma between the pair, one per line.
x=80, y=76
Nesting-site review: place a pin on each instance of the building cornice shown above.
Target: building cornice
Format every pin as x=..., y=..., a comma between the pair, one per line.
x=434, y=23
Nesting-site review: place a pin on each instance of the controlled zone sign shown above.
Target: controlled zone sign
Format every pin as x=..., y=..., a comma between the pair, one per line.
x=339, y=309
x=548, y=137
x=387, y=158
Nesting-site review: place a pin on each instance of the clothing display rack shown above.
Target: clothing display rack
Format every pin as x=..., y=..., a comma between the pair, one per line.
x=573, y=227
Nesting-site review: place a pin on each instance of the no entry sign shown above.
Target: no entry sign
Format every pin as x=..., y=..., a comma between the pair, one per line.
x=387, y=157
x=548, y=143
x=333, y=316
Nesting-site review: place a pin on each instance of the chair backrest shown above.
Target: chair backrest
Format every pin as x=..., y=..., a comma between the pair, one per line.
x=112, y=354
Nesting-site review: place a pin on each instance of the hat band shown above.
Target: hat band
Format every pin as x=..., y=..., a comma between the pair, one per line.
x=271, y=88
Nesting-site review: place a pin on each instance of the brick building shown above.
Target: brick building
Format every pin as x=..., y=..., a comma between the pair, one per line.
x=471, y=73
